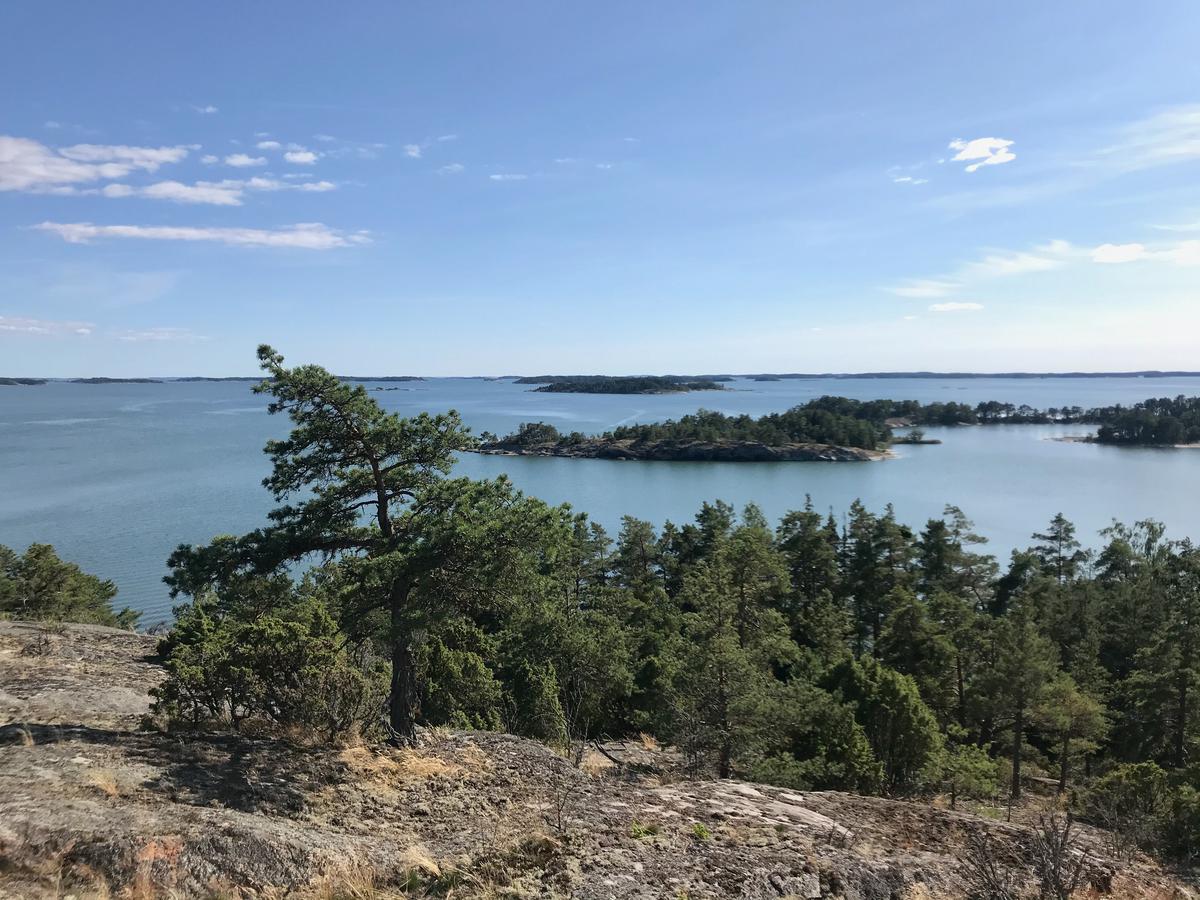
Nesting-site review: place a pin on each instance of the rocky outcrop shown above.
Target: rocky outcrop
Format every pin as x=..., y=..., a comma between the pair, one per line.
x=688, y=451
x=92, y=806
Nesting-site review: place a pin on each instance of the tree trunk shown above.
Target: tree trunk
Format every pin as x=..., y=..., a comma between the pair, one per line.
x=1018, y=731
x=402, y=705
x=1064, y=762
x=1181, y=724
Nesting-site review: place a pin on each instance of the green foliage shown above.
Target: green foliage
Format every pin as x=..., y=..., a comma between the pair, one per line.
x=901, y=730
x=701, y=832
x=639, y=830
x=968, y=771
x=264, y=650
x=39, y=586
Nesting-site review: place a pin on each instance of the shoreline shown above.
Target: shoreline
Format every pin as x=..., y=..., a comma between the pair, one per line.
x=691, y=451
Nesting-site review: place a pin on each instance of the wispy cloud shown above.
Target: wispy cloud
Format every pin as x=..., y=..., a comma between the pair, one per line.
x=986, y=151
x=268, y=145
x=412, y=151
x=993, y=264
x=28, y=165
x=206, y=110
x=15, y=325
x=244, y=160
x=158, y=335
x=923, y=288
x=300, y=157
x=306, y=236
x=508, y=177
x=1182, y=253
x=954, y=306
x=452, y=169
x=1169, y=136
x=228, y=192
x=908, y=179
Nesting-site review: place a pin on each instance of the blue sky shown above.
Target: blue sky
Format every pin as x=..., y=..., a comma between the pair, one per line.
x=484, y=188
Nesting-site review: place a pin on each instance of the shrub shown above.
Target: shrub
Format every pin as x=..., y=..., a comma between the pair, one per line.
x=286, y=666
x=40, y=586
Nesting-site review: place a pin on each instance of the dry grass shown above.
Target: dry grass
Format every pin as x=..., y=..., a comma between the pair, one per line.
x=594, y=763
x=25, y=736
x=105, y=781
x=648, y=741
x=417, y=862
x=385, y=767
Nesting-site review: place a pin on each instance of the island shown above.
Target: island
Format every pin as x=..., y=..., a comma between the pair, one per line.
x=840, y=429
x=22, y=381
x=809, y=433
x=622, y=384
x=101, y=380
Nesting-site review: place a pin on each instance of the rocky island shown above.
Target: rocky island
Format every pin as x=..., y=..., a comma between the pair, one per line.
x=625, y=384
x=815, y=432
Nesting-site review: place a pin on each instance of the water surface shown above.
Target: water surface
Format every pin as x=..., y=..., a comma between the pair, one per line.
x=115, y=476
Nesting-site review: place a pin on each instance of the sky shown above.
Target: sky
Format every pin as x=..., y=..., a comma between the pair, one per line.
x=477, y=188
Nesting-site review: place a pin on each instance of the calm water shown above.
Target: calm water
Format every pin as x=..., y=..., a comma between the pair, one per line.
x=116, y=476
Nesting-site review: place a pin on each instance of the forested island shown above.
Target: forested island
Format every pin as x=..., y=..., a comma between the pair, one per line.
x=621, y=384
x=839, y=429
x=11, y=382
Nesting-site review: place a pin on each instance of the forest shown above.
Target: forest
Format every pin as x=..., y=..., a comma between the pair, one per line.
x=829, y=650
x=868, y=423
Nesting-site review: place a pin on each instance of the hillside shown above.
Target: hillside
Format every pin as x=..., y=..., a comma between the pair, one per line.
x=91, y=806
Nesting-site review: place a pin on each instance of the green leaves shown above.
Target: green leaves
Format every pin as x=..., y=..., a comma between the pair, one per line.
x=38, y=585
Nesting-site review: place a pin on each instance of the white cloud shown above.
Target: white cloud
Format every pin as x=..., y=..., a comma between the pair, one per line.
x=324, y=138
x=50, y=123
x=413, y=151
x=908, y=179
x=451, y=169
x=447, y=137
x=244, y=160
x=1183, y=253
x=228, y=192
x=306, y=236
x=158, y=335
x=1170, y=136
x=300, y=157
x=206, y=110
x=1019, y=262
x=42, y=327
x=989, y=151
x=508, y=177
x=922, y=288
x=995, y=264
x=1118, y=253
x=216, y=194
x=604, y=165
x=209, y=159
x=955, y=307
x=148, y=158
x=27, y=165
x=1186, y=253
x=268, y=145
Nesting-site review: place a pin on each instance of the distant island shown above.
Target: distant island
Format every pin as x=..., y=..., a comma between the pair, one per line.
x=22, y=381
x=115, y=381
x=624, y=384
x=839, y=429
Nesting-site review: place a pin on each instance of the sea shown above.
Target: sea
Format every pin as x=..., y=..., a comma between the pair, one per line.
x=115, y=476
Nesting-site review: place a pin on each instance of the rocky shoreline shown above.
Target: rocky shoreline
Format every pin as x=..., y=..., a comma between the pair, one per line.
x=687, y=451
